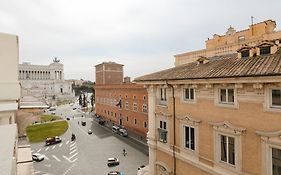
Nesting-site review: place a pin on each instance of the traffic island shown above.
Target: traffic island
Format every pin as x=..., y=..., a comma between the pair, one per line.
x=39, y=132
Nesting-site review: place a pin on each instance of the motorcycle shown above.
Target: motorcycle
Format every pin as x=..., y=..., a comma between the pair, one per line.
x=73, y=137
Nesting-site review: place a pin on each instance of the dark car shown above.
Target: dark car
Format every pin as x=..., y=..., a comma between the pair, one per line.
x=83, y=123
x=67, y=118
x=52, y=140
x=112, y=161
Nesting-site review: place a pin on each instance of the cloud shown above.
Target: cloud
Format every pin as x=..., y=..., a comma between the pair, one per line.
x=83, y=33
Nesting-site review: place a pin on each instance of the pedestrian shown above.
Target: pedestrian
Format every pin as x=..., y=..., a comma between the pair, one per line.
x=78, y=122
x=124, y=152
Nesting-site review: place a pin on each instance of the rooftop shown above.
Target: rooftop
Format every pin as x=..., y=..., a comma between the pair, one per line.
x=226, y=66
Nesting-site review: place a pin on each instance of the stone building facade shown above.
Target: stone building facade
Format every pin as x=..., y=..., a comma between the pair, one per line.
x=232, y=41
x=44, y=81
x=217, y=115
x=121, y=103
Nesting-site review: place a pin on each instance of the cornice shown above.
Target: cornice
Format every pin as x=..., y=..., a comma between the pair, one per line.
x=228, y=126
x=163, y=114
x=269, y=134
x=188, y=118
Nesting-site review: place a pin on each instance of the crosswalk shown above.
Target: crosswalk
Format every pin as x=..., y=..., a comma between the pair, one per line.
x=70, y=157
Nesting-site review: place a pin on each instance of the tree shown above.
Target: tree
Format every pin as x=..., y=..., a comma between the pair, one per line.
x=84, y=101
x=92, y=100
x=80, y=100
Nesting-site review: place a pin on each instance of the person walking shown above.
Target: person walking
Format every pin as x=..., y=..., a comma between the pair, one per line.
x=124, y=152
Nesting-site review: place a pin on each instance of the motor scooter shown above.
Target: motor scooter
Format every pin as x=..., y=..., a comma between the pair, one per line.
x=73, y=137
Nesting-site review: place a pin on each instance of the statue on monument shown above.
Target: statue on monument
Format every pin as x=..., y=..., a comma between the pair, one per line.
x=56, y=60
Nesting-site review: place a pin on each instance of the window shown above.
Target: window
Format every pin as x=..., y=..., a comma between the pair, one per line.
x=245, y=53
x=241, y=38
x=144, y=108
x=227, y=149
x=144, y=97
x=276, y=161
x=189, y=138
x=162, y=132
x=145, y=125
x=135, y=107
x=228, y=145
x=127, y=118
x=276, y=98
x=135, y=121
x=163, y=94
x=226, y=96
x=126, y=105
x=188, y=94
x=264, y=50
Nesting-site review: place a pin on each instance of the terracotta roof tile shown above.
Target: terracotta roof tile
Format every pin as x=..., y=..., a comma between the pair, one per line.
x=221, y=67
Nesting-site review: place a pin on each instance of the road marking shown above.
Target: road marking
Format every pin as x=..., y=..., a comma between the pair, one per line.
x=67, y=142
x=54, y=147
x=36, y=172
x=32, y=150
x=66, y=158
x=60, y=145
x=46, y=157
x=74, y=160
x=56, y=158
x=47, y=149
x=47, y=165
x=73, y=147
x=72, y=144
x=65, y=173
x=73, y=155
x=73, y=151
x=38, y=150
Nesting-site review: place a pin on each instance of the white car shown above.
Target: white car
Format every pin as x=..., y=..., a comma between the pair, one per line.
x=37, y=157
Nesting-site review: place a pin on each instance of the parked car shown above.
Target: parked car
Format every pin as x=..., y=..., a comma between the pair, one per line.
x=112, y=161
x=37, y=157
x=90, y=132
x=53, y=113
x=67, y=118
x=83, y=123
x=123, y=132
x=74, y=108
x=101, y=121
x=114, y=173
x=142, y=166
x=52, y=109
x=52, y=140
x=115, y=128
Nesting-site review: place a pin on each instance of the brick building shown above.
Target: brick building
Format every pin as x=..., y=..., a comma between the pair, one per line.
x=109, y=73
x=124, y=105
x=121, y=103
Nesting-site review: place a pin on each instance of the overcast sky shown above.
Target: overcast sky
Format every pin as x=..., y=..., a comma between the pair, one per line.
x=141, y=34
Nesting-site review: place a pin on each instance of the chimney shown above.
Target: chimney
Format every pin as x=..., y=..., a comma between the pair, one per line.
x=127, y=80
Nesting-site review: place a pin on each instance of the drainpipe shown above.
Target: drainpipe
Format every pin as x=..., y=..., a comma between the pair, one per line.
x=174, y=127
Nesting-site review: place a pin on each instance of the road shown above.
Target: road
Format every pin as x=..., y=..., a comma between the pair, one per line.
x=88, y=154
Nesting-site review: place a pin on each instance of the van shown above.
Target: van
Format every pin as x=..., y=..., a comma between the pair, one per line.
x=123, y=132
x=115, y=129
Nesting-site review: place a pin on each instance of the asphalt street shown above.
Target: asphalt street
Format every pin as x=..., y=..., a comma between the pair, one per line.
x=88, y=154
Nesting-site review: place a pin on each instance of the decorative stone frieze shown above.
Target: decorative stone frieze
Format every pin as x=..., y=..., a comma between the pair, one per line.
x=226, y=126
